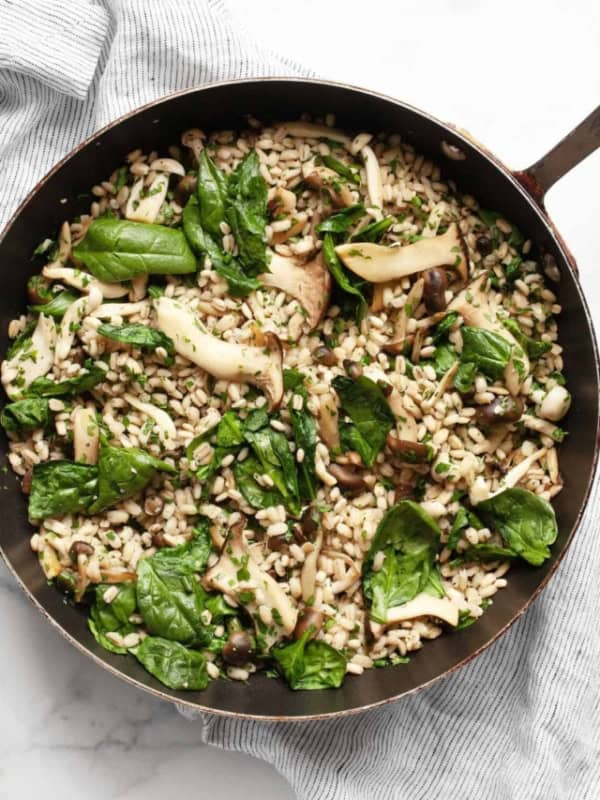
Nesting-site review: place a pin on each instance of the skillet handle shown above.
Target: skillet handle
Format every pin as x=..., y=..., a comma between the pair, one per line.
x=570, y=151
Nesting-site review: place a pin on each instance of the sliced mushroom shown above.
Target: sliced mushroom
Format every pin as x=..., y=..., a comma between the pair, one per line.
x=261, y=366
x=310, y=284
x=308, y=576
x=328, y=420
x=138, y=288
x=281, y=201
x=407, y=424
x=71, y=321
x=166, y=427
x=194, y=139
x=380, y=264
x=83, y=281
x=167, y=165
x=86, y=436
x=296, y=226
x=542, y=426
x=348, y=477
x=518, y=472
x=144, y=202
x=319, y=177
x=312, y=131
x=473, y=305
x=110, y=310
x=374, y=184
x=424, y=605
x=31, y=361
x=259, y=589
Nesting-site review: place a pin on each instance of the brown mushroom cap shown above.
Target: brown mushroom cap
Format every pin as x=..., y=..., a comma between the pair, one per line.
x=310, y=283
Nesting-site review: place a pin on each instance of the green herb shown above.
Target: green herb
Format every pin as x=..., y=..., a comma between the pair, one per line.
x=122, y=473
x=512, y=270
x=61, y=487
x=138, y=335
x=464, y=378
x=172, y=663
x=408, y=537
x=340, y=223
x=246, y=213
x=112, y=617
x=256, y=495
x=28, y=414
x=443, y=327
x=374, y=231
x=211, y=191
x=305, y=436
x=22, y=341
x=525, y=521
x=310, y=664
x=350, y=292
x=156, y=291
x=342, y=169
x=56, y=306
x=443, y=358
x=490, y=218
x=277, y=461
x=117, y=250
x=372, y=419
x=534, y=348
x=489, y=351
x=44, y=387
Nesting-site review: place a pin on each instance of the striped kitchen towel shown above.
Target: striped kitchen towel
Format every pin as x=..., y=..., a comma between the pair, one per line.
x=522, y=722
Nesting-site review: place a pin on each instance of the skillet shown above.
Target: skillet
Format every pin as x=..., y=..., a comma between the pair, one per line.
x=517, y=195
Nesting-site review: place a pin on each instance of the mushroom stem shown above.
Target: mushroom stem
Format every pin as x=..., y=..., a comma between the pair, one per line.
x=261, y=366
x=71, y=320
x=33, y=360
x=424, y=605
x=83, y=281
x=86, y=438
x=374, y=185
x=309, y=284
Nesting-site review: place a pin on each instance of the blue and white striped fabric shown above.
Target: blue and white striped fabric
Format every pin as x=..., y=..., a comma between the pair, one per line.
x=520, y=723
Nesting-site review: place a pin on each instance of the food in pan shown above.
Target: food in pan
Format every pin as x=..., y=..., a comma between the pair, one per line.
x=285, y=399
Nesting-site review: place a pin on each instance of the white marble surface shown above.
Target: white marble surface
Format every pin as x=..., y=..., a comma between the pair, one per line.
x=517, y=76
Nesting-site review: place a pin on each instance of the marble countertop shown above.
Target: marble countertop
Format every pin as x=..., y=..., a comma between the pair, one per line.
x=517, y=78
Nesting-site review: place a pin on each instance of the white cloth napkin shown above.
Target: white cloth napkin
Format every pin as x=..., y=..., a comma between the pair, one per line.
x=522, y=722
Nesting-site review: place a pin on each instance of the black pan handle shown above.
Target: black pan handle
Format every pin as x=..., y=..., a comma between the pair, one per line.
x=570, y=151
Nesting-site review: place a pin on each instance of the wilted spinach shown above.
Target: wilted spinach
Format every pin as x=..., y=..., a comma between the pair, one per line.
x=116, y=250
x=350, y=291
x=28, y=414
x=61, y=487
x=172, y=663
x=371, y=417
x=277, y=461
x=57, y=304
x=464, y=378
x=444, y=326
x=122, y=473
x=246, y=213
x=138, y=335
x=489, y=351
x=211, y=191
x=535, y=348
x=112, y=617
x=341, y=222
x=44, y=387
x=256, y=495
x=310, y=664
x=373, y=232
x=343, y=170
x=525, y=521
x=409, y=538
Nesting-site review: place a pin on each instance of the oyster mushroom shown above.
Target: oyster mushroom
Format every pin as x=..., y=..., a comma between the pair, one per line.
x=139, y=285
x=71, y=321
x=319, y=177
x=261, y=366
x=165, y=425
x=380, y=264
x=374, y=185
x=328, y=418
x=475, y=309
x=110, y=310
x=310, y=284
x=424, y=605
x=32, y=360
x=144, y=202
x=257, y=590
x=194, y=139
x=308, y=576
x=83, y=281
x=311, y=130
x=86, y=436
x=167, y=165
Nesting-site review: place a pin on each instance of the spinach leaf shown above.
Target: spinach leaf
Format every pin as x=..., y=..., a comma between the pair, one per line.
x=61, y=487
x=463, y=519
x=374, y=231
x=138, y=335
x=256, y=495
x=22, y=340
x=277, y=461
x=305, y=435
x=28, y=414
x=525, y=521
x=489, y=351
x=112, y=617
x=434, y=585
x=464, y=378
x=172, y=663
x=512, y=270
x=44, y=387
x=57, y=305
x=350, y=289
x=534, y=348
x=229, y=431
x=352, y=175
x=487, y=551
x=246, y=213
x=224, y=264
x=116, y=250
x=443, y=358
x=293, y=379
x=211, y=191
x=170, y=599
x=310, y=664
x=408, y=537
x=122, y=473
x=372, y=419
x=340, y=223
x=442, y=329
x=189, y=557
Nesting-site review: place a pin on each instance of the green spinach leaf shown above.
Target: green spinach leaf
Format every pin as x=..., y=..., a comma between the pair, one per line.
x=172, y=663
x=277, y=461
x=533, y=347
x=350, y=292
x=408, y=537
x=350, y=174
x=138, y=335
x=246, y=213
x=464, y=379
x=61, y=487
x=443, y=328
x=211, y=191
x=489, y=351
x=28, y=414
x=372, y=419
x=122, y=473
x=373, y=232
x=443, y=358
x=525, y=521
x=116, y=250
x=305, y=435
x=112, y=617
x=310, y=664
x=340, y=223
x=44, y=387
x=56, y=305
x=256, y=495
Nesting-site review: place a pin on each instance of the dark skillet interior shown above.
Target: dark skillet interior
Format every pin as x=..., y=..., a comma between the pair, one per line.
x=224, y=106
